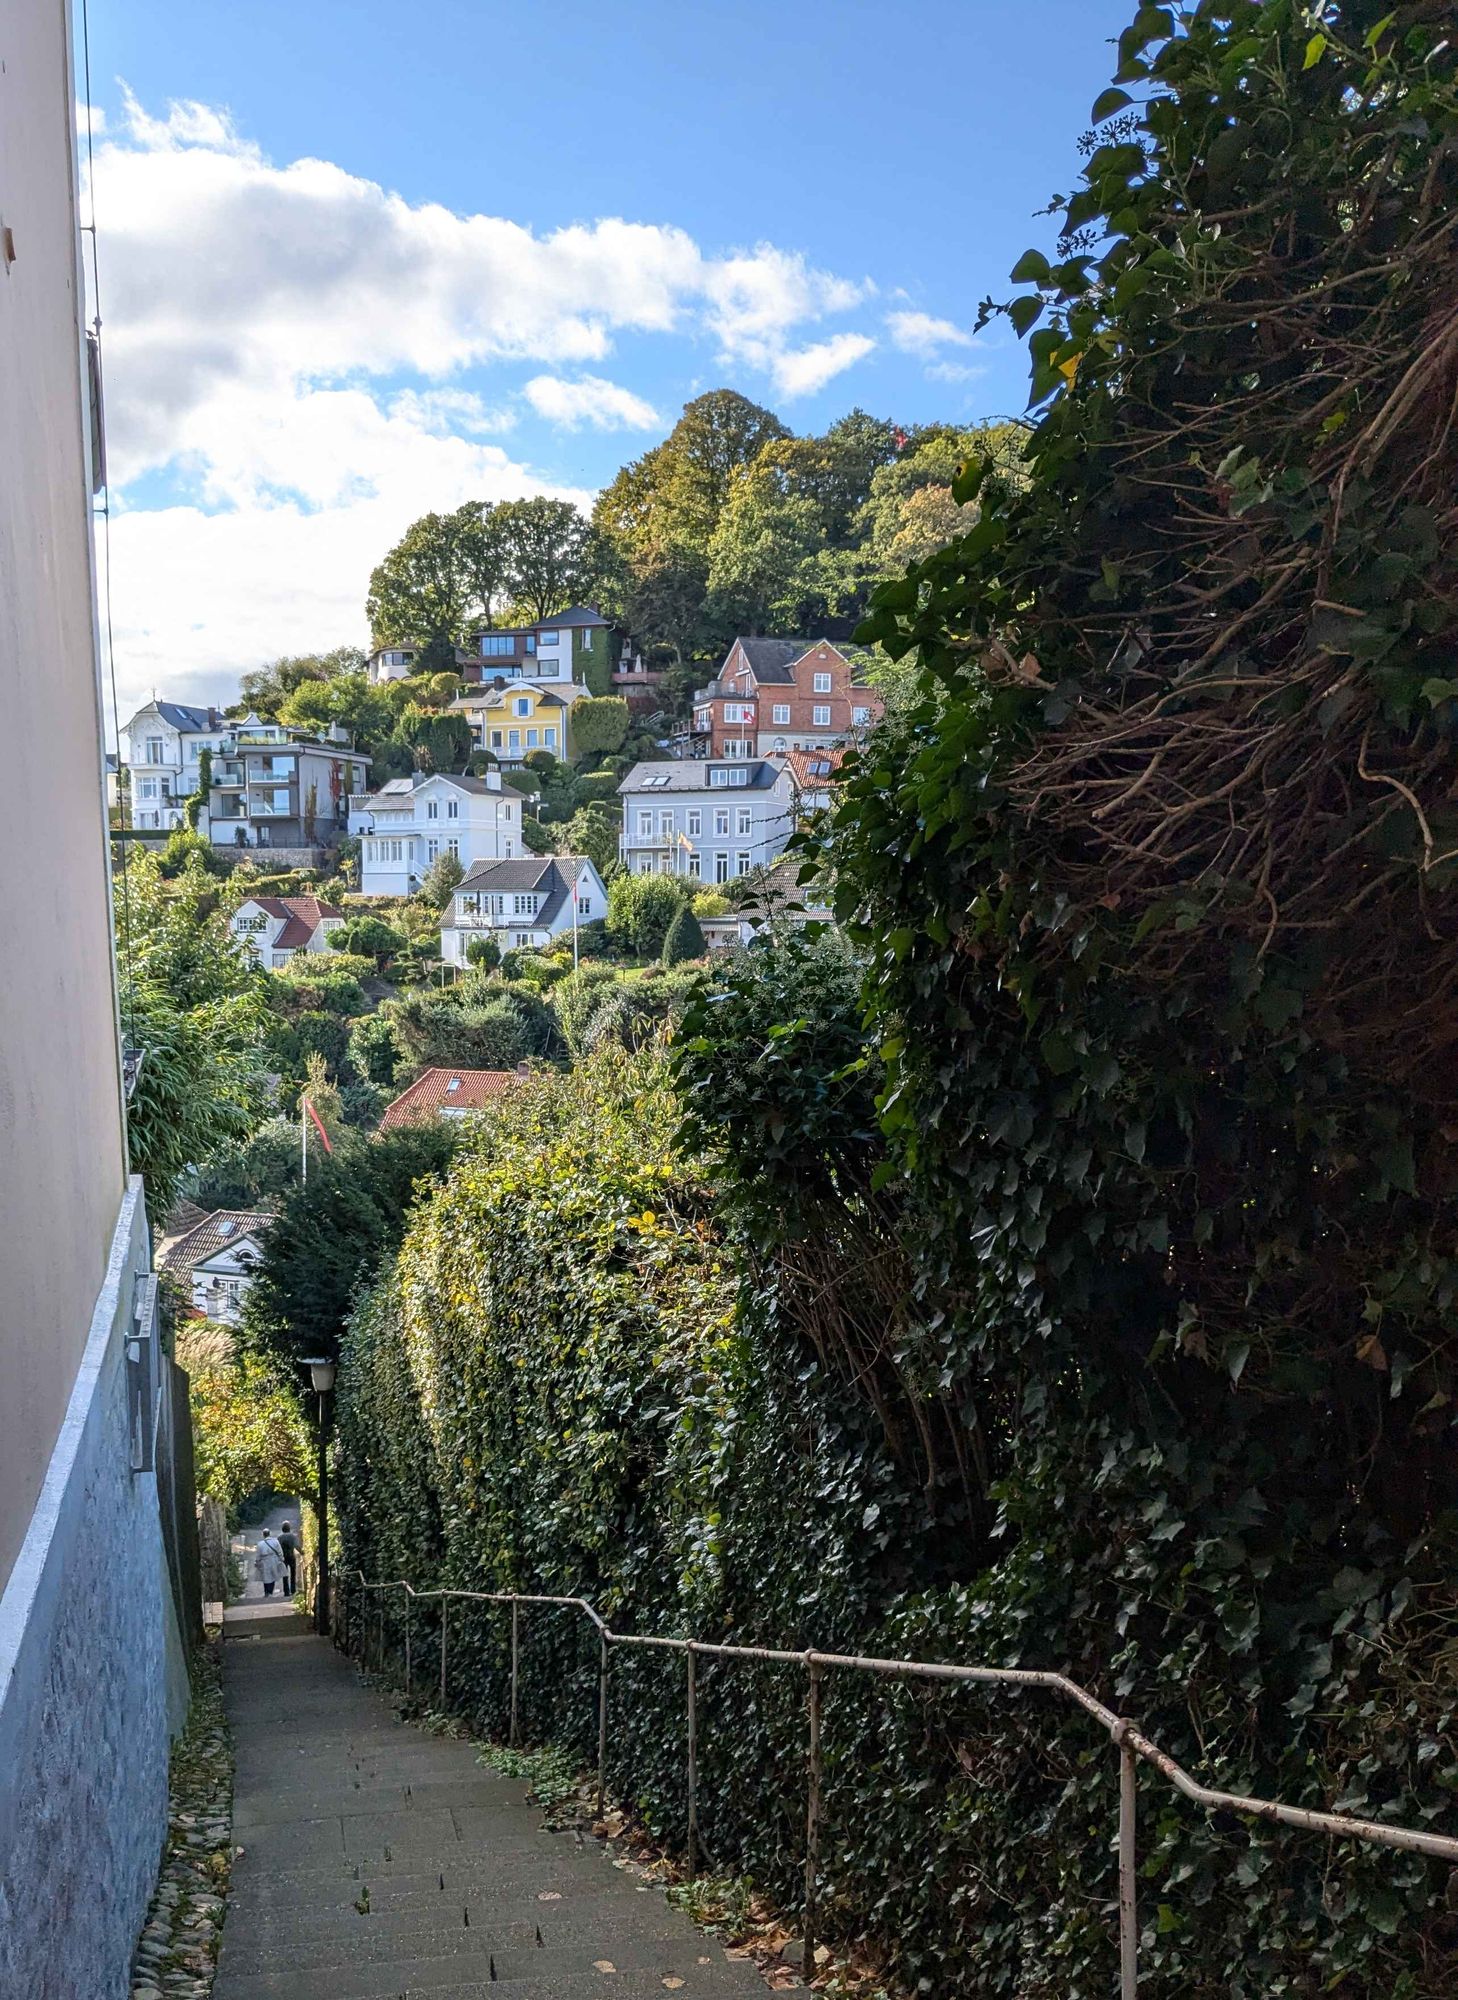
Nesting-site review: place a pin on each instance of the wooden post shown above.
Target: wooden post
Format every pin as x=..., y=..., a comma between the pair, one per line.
x=693, y=1765
x=515, y=1654
x=812, y=1816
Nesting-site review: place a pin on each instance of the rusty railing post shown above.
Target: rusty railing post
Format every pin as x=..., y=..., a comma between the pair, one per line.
x=812, y=1814
x=1128, y=1866
x=445, y=1605
x=693, y=1765
x=408, y=1595
x=602, y=1719
x=515, y=1655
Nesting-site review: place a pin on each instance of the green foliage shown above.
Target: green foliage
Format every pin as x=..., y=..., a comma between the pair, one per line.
x=641, y=908
x=193, y=1007
x=594, y=830
x=325, y=982
x=536, y=838
x=684, y=940
x=249, y=1171
x=441, y=879
x=265, y=691
x=186, y=847
x=375, y=1053
x=249, y=1433
x=484, y=1023
x=436, y=740
x=599, y=725
x=369, y=938
x=291, y=1042
x=330, y=1236
x=483, y=952
x=597, y=787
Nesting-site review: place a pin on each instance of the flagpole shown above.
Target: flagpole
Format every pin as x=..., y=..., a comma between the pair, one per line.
x=576, y=877
x=304, y=1135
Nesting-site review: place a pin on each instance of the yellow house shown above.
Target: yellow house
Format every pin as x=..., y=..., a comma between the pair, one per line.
x=518, y=717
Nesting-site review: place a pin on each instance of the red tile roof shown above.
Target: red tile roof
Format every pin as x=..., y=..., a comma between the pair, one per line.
x=302, y=916
x=436, y=1091
x=801, y=766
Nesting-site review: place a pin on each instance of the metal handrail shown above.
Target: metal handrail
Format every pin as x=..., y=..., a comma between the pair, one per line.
x=1132, y=1744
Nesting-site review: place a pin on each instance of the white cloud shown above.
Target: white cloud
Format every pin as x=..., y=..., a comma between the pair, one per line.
x=590, y=400
x=285, y=348
x=800, y=372
x=921, y=334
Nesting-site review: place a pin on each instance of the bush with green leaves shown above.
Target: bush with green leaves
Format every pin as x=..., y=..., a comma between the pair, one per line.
x=641, y=908
x=325, y=981
x=441, y=878
x=483, y=953
x=375, y=1052
x=685, y=940
x=599, y=726
x=368, y=937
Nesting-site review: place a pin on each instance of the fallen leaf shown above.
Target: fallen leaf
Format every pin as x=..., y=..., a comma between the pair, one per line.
x=672, y=1984
x=549, y=1896
x=604, y=1965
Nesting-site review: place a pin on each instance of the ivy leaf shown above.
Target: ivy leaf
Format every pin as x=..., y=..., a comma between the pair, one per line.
x=1032, y=268
x=1315, y=50
x=1107, y=103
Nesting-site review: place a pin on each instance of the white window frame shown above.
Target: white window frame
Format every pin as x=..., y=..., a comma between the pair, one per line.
x=822, y=684
x=695, y=822
x=744, y=820
x=721, y=867
x=721, y=819
x=820, y=717
x=741, y=862
x=780, y=712
x=645, y=824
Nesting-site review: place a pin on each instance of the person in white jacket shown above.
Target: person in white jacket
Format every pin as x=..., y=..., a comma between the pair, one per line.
x=268, y=1561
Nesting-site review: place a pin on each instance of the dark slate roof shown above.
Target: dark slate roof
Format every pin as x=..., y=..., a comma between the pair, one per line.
x=577, y=614
x=692, y=775
x=182, y=717
x=549, y=875
x=395, y=791
x=772, y=659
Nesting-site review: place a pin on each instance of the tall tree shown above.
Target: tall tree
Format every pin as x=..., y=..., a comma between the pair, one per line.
x=547, y=554
x=421, y=591
x=262, y=691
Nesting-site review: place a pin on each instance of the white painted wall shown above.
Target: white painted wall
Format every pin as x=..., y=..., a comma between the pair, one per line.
x=398, y=845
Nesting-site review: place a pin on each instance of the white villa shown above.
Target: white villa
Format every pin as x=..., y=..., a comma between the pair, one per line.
x=714, y=821
x=214, y=1260
x=273, y=929
x=411, y=822
x=160, y=747
x=529, y=902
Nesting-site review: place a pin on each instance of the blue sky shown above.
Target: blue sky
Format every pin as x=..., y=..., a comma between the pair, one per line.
x=300, y=357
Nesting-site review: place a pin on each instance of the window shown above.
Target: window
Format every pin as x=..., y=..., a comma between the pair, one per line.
x=721, y=819
x=860, y=716
x=454, y=847
x=820, y=717
x=513, y=739
x=779, y=743
x=497, y=645
x=549, y=736
x=739, y=777
x=432, y=809
x=147, y=789
x=739, y=711
x=453, y=810
x=524, y=906
x=496, y=739
x=822, y=683
x=665, y=824
x=522, y=705
x=780, y=712
x=721, y=867
x=741, y=863
x=645, y=825
x=154, y=749
x=744, y=819
x=695, y=821
x=696, y=864
x=432, y=849
x=531, y=739
x=717, y=777
x=531, y=644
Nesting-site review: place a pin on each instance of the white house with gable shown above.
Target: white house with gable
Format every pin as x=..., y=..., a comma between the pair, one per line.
x=529, y=901
x=713, y=821
x=411, y=822
x=214, y=1260
x=272, y=929
x=160, y=748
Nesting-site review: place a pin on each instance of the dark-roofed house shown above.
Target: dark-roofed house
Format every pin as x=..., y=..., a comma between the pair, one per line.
x=713, y=820
x=775, y=695
x=213, y=1260
x=577, y=644
x=528, y=901
x=273, y=928
x=160, y=748
x=446, y=1093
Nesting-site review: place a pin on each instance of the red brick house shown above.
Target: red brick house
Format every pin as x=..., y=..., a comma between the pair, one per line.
x=774, y=695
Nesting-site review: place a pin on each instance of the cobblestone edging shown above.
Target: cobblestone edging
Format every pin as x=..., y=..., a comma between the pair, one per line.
x=177, y=1953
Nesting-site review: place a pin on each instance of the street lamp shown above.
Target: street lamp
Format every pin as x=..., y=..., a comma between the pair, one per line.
x=321, y=1373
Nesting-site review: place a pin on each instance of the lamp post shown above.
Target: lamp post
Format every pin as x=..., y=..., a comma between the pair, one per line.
x=321, y=1373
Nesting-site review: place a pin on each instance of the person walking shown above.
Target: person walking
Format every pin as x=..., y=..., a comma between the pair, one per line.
x=289, y=1549
x=268, y=1561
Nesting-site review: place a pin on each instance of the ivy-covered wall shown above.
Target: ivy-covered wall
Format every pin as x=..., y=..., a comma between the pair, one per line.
x=573, y=1380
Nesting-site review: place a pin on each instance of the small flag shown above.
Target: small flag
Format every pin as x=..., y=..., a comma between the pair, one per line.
x=319, y=1125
